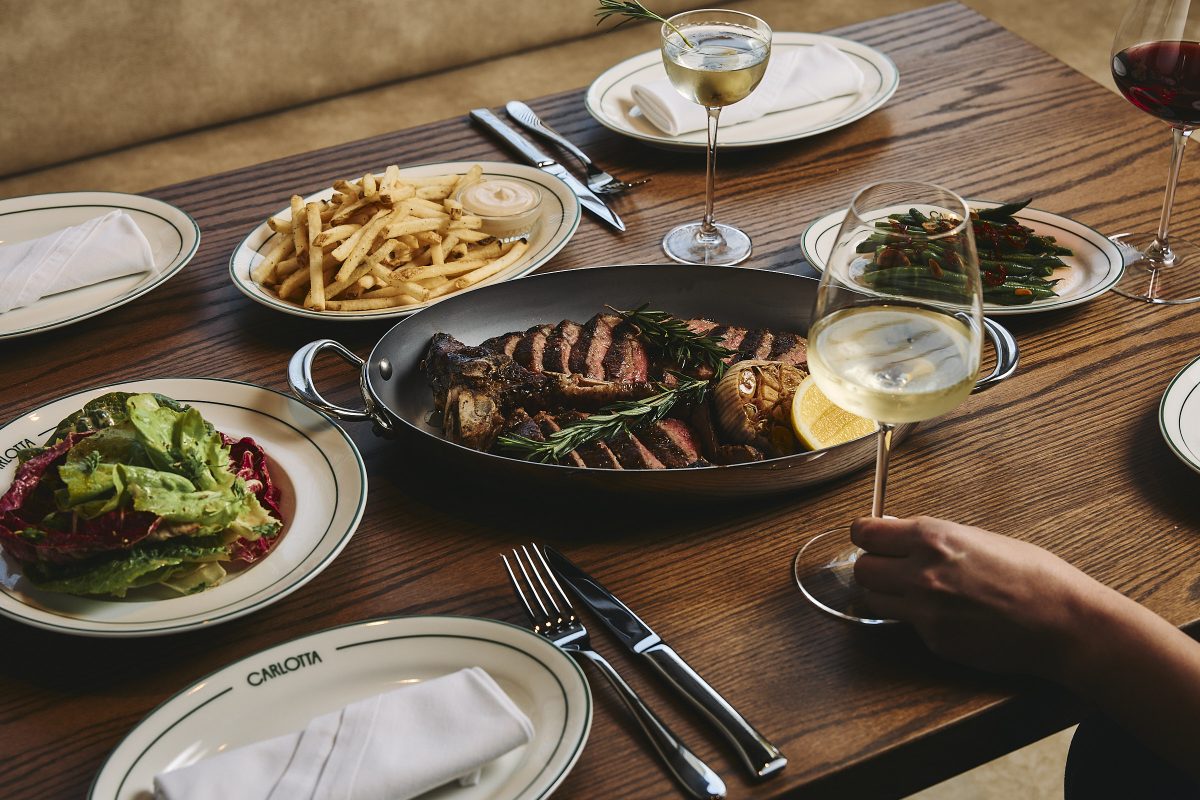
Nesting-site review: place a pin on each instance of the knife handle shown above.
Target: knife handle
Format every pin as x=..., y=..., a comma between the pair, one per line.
x=513, y=139
x=693, y=775
x=763, y=758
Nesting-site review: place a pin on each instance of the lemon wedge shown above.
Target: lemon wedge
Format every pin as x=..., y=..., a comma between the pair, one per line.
x=818, y=423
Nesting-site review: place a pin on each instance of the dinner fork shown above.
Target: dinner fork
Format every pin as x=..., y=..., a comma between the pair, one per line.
x=553, y=616
x=598, y=180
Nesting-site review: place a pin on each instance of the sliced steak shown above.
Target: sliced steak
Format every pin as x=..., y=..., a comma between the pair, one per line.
x=587, y=356
x=550, y=425
x=626, y=359
x=702, y=326
x=557, y=356
x=529, y=350
x=753, y=343
x=594, y=454
x=663, y=446
x=683, y=438
x=730, y=338
x=505, y=344
x=632, y=454
x=790, y=349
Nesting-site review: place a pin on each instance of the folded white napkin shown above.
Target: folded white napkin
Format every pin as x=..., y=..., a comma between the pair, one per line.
x=388, y=747
x=98, y=250
x=795, y=76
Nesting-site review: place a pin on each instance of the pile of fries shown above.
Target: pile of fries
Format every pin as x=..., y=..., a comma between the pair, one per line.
x=382, y=242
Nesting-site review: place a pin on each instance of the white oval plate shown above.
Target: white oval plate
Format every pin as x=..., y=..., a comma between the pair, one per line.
x=1093, y=270
x=338, y=666
x=173, y=235
x=1179, y=414
x=316, y=466
x=556, y=226
x=610, y=100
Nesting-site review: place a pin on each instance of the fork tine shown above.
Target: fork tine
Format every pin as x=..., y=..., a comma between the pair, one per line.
x=516, y=584
x=547, y=617
x=566, y=598
x=541, y=580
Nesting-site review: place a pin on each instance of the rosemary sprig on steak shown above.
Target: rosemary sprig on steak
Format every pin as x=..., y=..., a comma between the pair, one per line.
x=608, y=422
x=672, y=337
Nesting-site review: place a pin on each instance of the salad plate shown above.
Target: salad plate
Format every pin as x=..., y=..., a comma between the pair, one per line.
x=318, y=469
x=324, y=671
x=557, y=224
x=173, y=236
x=610, y=100
x=1179, y=414
x=1095, y=267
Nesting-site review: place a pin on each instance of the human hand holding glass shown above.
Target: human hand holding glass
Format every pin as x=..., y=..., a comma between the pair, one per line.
x=896, y=343
x=714, y=58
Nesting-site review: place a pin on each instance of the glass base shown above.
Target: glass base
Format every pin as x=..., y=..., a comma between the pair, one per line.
x=1154, y=282
x=725, y=247
x=824, y=571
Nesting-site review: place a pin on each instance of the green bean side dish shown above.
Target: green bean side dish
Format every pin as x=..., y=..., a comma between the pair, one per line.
x=911, y=255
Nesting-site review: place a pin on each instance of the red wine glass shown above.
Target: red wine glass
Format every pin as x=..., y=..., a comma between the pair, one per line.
x=1156, y=65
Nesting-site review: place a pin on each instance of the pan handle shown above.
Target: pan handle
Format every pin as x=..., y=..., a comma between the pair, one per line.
x=300, y=379
x=1007, y=355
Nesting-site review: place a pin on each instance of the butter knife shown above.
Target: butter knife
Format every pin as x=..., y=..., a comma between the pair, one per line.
x=531, y=153
x=762, y=757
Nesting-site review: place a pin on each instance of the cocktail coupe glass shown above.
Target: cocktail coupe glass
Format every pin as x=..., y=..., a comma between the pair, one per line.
x=890, y=345
x=1156, y=65
x=714, y=58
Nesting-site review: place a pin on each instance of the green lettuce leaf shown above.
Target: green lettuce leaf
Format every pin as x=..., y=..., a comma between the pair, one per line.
x=141, y=566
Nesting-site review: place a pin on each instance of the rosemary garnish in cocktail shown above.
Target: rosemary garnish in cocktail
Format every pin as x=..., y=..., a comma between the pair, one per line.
x=631, y=10
x=610, y=421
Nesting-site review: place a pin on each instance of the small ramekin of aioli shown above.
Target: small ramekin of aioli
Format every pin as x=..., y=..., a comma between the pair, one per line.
x=508, y=207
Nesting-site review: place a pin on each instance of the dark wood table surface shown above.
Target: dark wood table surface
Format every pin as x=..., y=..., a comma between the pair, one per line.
x=1066, y=454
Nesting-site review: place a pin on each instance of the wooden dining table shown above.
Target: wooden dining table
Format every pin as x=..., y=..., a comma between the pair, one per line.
x=1066, y=454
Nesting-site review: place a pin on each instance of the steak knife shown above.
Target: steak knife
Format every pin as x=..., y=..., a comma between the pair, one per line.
x=534, y=155
x=762, y=757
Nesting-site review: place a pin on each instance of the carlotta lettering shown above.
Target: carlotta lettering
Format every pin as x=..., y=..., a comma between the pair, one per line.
x=281, y=668
x=11, y=453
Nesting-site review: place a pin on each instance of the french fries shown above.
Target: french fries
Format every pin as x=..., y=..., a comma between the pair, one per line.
x=381, y=242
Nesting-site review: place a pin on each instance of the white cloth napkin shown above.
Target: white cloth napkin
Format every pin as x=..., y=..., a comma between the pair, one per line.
x=796, y=76
x=98, y=250
x=388, y=747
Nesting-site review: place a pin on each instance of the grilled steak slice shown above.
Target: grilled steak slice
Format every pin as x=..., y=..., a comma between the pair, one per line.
x=505, y=344
x=557, y=356
x=594, y=454
x=711, y=446
x=632, y=453
x=663, y=446
x=626, y=359
x=790, y=349
x=528, y=352
x=685, y=440
x=587, y=356
x=550, y=425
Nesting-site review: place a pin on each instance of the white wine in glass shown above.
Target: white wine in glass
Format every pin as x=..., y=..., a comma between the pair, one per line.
x=895, y=335
x=713, y=58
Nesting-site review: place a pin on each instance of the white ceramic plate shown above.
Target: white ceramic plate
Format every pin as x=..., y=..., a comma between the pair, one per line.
x=1095, y=267
x=224, y=710
x=316, y=466
x=610, y=100
x=173, y=235
x=555, y=227
x=1179, y=414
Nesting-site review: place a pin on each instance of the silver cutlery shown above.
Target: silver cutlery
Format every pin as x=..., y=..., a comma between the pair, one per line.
x=530, y=152
x=598, y=180
x=762, y=757
x=553, y=616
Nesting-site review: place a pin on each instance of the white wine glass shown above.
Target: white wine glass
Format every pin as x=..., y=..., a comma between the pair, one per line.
x=714, y=58
x=896, y=336
x=1156, y=65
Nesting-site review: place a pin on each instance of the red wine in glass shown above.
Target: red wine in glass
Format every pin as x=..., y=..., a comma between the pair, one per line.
x=1156, y=65
x=1163, y=79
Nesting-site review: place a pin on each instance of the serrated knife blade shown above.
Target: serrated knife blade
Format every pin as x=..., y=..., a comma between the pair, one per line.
x=535, y=156
x=762, y=757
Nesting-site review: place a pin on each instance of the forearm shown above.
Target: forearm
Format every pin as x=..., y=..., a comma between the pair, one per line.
x=1141, y=671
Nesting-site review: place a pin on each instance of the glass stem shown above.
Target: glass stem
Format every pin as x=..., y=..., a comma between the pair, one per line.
x=1160, y=249
x=707, y=229
x=881, y=467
